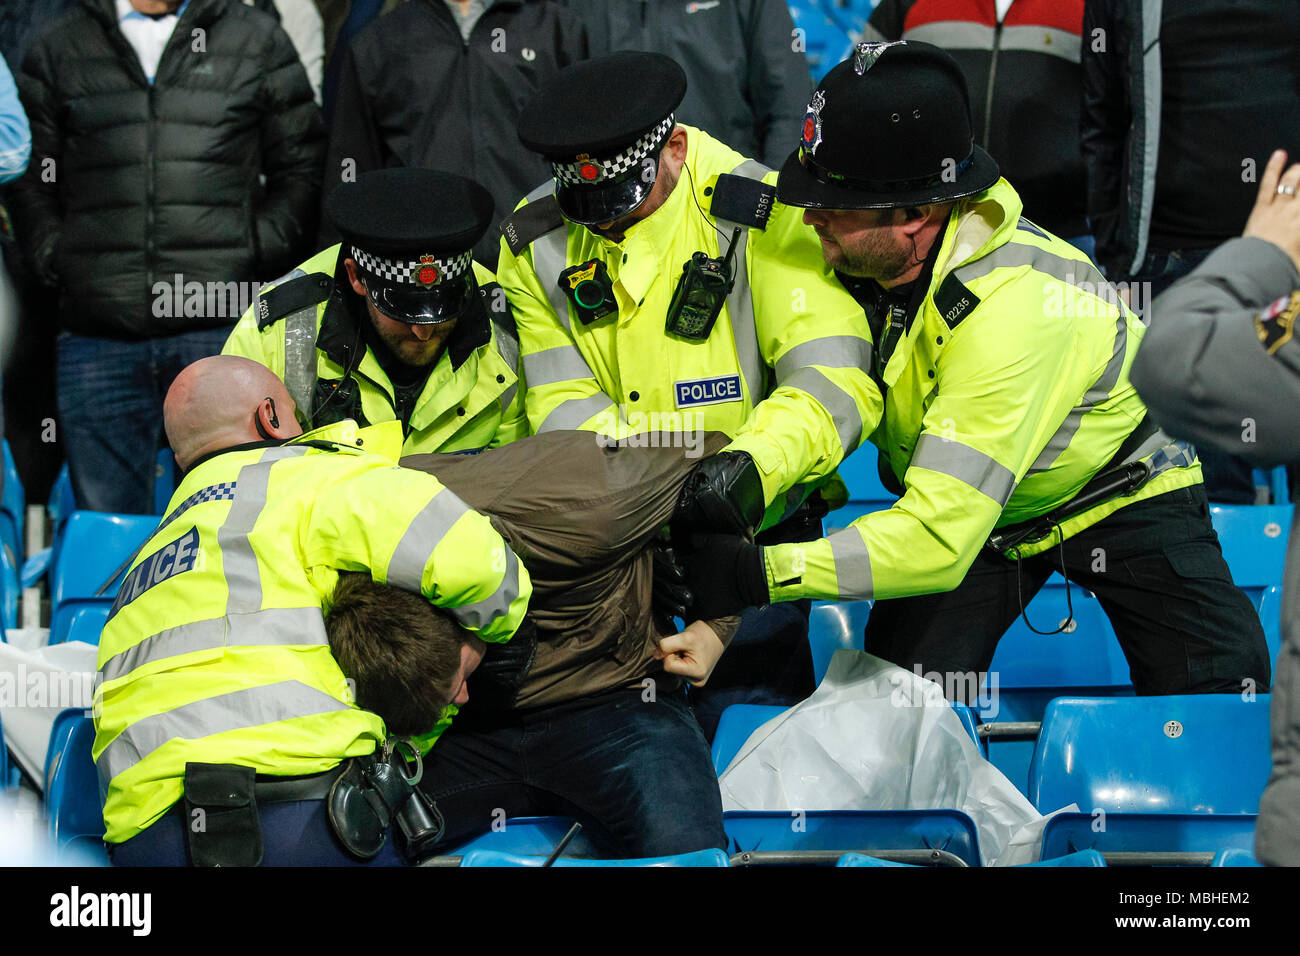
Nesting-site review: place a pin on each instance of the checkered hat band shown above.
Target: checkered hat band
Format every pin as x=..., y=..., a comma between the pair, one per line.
x=404, y=271
x=570, y=174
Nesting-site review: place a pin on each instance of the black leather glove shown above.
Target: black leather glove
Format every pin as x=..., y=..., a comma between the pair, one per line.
x=722, y=493
x=670, y=596
x=725, y=574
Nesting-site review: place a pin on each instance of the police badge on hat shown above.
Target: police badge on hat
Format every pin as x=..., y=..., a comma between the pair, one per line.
x=812, y=123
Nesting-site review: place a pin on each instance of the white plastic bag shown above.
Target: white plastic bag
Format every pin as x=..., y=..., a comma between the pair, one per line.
x=877, y=737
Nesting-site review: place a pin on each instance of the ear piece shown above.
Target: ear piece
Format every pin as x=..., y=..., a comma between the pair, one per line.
x=272, y=418
x=275, y=421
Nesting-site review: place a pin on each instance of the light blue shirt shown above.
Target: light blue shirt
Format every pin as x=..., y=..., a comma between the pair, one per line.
x=15, y=132
x=147, y=36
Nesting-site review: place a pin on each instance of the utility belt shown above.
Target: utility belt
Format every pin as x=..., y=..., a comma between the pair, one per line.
x=1114, y=479
x=364, y=796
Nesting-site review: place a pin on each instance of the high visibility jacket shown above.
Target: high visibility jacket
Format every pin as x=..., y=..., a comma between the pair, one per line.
x=1005, y=395
x=469, y=402
x=215, y=650
x=784, y=371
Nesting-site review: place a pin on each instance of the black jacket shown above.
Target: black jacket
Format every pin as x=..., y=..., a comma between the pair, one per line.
x=1024, y=81
x=412, y=92
x=131, y=185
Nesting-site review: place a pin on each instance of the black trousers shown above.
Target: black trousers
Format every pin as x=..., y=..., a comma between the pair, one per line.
x=1159, y=575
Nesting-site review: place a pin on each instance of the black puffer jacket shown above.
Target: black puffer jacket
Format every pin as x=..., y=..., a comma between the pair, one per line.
x=131, y=185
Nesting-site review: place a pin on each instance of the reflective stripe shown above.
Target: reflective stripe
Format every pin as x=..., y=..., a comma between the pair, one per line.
x=740, y=303
x=564, y=363
x=423, y=534
x=571, y=414
x=238, y=710
x=272, y=627
x=1043, y=39
x=833, y=351
x=1098, y=393
x=507, y=346
x=1013, y=255
x=852, y=566
x=480, y=614
x=508, y=396
x=836, y=401
x=239, y=561
x=1145, y=155
x=300, y=354
x=969, y=465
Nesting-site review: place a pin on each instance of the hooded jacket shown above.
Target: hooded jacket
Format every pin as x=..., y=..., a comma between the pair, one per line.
x=135, y=187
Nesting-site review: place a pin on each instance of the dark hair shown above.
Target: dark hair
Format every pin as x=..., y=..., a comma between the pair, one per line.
x=401, y=652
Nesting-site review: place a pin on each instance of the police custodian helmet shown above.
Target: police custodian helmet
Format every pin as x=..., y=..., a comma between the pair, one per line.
x=602, y=123
x=411, y=233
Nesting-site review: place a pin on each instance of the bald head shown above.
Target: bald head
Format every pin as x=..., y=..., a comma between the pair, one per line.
x=218, y=402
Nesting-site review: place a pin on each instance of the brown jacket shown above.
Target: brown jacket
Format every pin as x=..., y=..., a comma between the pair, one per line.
x=580, y=516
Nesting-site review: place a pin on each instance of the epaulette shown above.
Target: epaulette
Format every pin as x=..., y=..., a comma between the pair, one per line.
x=289, y=297
x=954, y=301
x=531, y=222
x=742, y=200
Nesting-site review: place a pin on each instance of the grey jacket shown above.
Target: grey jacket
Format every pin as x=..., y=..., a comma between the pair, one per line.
x=1219, y=366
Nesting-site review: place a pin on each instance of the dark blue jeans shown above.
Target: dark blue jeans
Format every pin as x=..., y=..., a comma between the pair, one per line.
x=1228, y=479
x=110, y=412
x=638, y=771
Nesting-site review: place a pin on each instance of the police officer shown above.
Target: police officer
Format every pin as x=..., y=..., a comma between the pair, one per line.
x=1010, y=427
x=396, y=322
x=1221, y=366
x=225, y=731
x=658, y=286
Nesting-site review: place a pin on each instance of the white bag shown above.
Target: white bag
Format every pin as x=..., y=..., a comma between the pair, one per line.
x=877, y=737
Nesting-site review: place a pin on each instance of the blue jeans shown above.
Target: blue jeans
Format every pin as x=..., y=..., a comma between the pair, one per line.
x=638, y=770
x=110, y=412
x=1228, y=479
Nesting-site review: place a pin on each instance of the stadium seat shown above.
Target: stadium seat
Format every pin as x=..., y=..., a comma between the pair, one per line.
x=72, y=788
x=866, y=493
x=1196, y=753
x=700, y=858
x=4, y=759
x=532, y=836
x=10, y=588
x=1270, y=615
x=825, y=40
x=740, y=720
x=60, y=506
x=862, y=859
x=1253, y=539
x=86, y=623
x=13, y=507
x=164, y=480
x=832, y=627
x=102, y=545
x=60, y=733
x=1235, y=858
x=784, y=837
x=1173, y=775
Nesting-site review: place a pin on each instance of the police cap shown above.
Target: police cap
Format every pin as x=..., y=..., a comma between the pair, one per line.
x=602, y=123
x=411, y=233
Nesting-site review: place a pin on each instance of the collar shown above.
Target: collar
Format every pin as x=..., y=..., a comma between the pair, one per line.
x=125, y=11
x=246, y=446
x=342, y=332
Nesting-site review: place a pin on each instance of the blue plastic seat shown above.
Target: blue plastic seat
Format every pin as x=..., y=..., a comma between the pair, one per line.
x=862, y=476
x=1082, y=858
x=1235, y=858
x=60, y=733
x=700, y=858
x=13, y=508
x=1270, y=616
x=1173, y=775
x=72, y=789
x=102, y=544
x=1253, y=539
x=87, y=622
x=10, y=587
x=832, y=627
x=1198, y=753
x=740, y=720
x=822, y=836
x=862, y=859
x=531, y=836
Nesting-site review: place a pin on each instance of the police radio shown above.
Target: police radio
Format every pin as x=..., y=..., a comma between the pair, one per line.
x=701, y=291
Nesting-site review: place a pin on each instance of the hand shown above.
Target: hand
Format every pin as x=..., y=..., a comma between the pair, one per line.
x=691, y=654
x=1276, y=217
x=722, y=493
x=725, y=574
x=670, y=596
